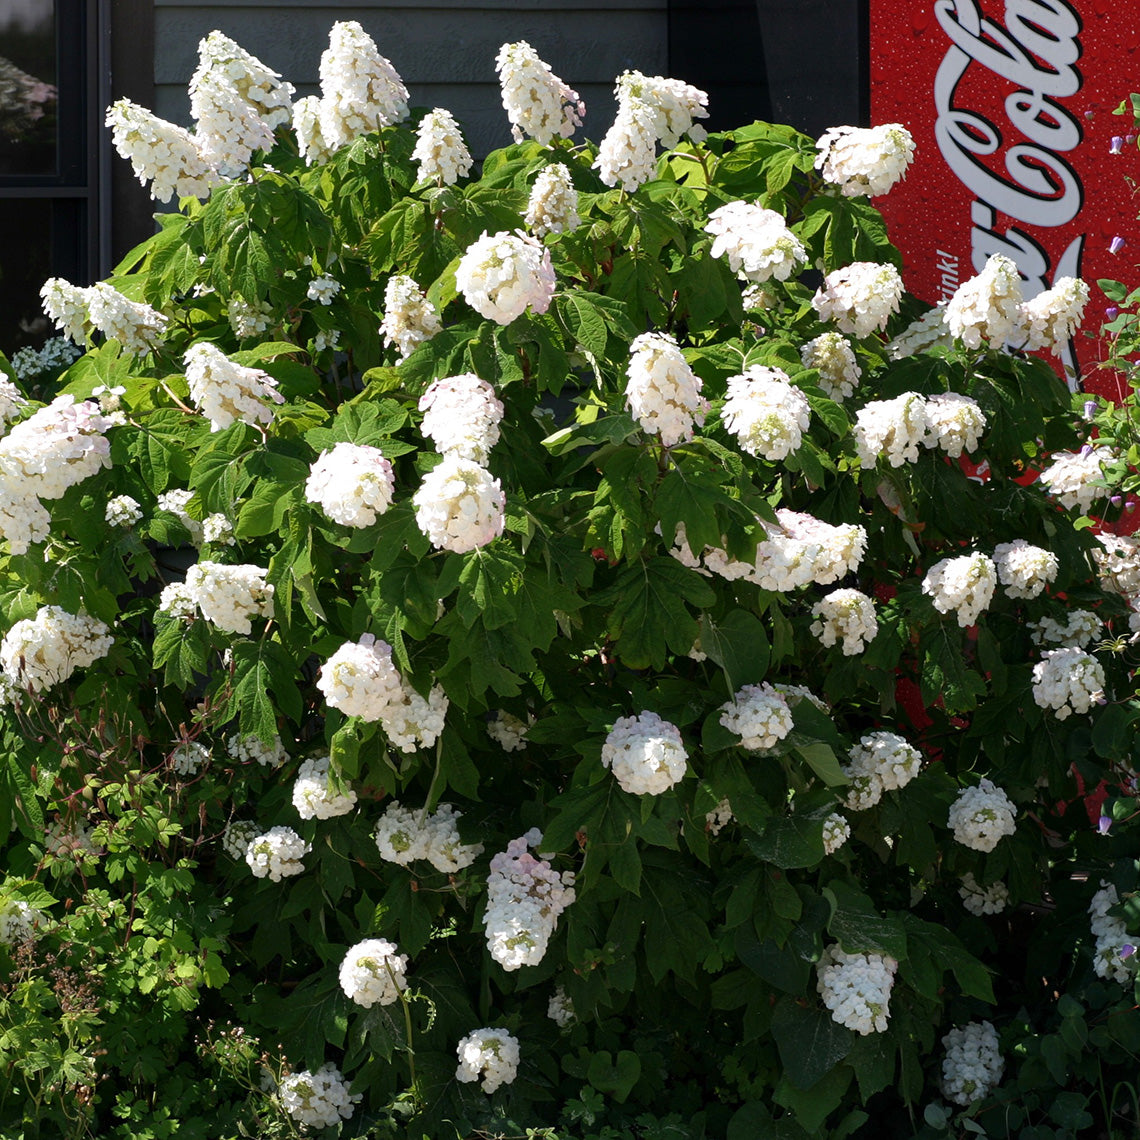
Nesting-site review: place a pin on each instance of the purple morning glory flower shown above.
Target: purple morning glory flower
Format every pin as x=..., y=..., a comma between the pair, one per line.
x=1103, y=824
x=1127, y=950
x=1110, y=312
x=1117, y=144
x=1090, y=409
x=1116, y=245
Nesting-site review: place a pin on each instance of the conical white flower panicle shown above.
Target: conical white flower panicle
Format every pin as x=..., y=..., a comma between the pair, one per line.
x=137, y=327
x=987, y=307
x=352, y=484
x=847, y=617
x=442, y=154
x=373, y=973
x=490, y=1056
x=865, y=161
x=165, y=155
x=756, y=242
x=66, y=306
x=981, y=816
x=459, y=505
x=39, y=652
x=856, y=988
x=964, y=584
x=236, y=101
x=503, y=274
x=766, y=412
x=537, y=102
x=461, y=416
x=663, y=393
x=409, y=317
x=311, y=143
x=925, y=332
x=860, y=297
x=651, y=109
x=1068, y=681
x=1050, y=319
x=893, y=430
x=834, y=359
x=553, y=204
x=360, y=89
x=1025, y=570
x=1072, y=477
x=956, y=422
x=645, y=754
x=225, y=391
x=973, y=1064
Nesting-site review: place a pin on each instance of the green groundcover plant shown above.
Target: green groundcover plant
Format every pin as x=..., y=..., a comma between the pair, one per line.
x=573, y=652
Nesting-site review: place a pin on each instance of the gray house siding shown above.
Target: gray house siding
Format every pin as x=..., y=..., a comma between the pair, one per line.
x=443, y=49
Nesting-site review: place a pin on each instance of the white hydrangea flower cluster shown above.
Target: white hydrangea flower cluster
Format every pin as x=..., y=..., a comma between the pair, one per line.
x=834, y=359
x=314, y=796
x=415, y=721
x=225, y=391
x=766, y=412
x=864, y=161
x=925, y=332
x=323, y=289
x=836, y=832
x=54, y=355
x=360, y=678
x=161, y=153
x=537, y=102
x=663, y=393
x=175, y=502
x=311, y=143
x=856, y=988
x=352, y=484
x=525, y=897
x=248, y=318
x=645, y=753
x=54, y=449
x=1025, y=570
x=956, y=422
x=360, y=89
x=964, y=584
x=756, y=242
x=893, y=430
x=409, y=317
x=177, y=600
x=973, y=1065
x=461, y=416
x=503, y=274
x=650, y=109
x=230, y=596
x=1118, y=564
x=860, y=297
x=238, y=835
x=236, y=102
x=137, y=327
x=403, y=836
x=986, y=306
x=979, y=900
x=1050, y=319
x=217, y=530
x=440, y=150
x=39, y=652
x=66, y=306
x=719, y=818
x=880, y=762
x=794, y=694
x=1079, y=630
x=122, y=511
x=1069, y=478
x=552, y=207
x=507, y=731
x=981, y=816
x=250, y=750
x=491, y=1055
x=188, y=758
x=459, y=505
x=1067, y=681
x=276, y=854
x=373, y=973
x=19, y=921
x=759, y=715
x=317, y=1100
x=846, y=616
x=1111, y=936
x=560, y=1009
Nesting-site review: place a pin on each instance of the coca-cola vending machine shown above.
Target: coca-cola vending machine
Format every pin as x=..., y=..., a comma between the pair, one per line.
x=1010, y=103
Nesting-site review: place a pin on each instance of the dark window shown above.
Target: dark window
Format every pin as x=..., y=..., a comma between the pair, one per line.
x=49, y=157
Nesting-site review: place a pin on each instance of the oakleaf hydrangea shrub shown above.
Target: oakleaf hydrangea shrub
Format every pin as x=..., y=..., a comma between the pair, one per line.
x=508, y=652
